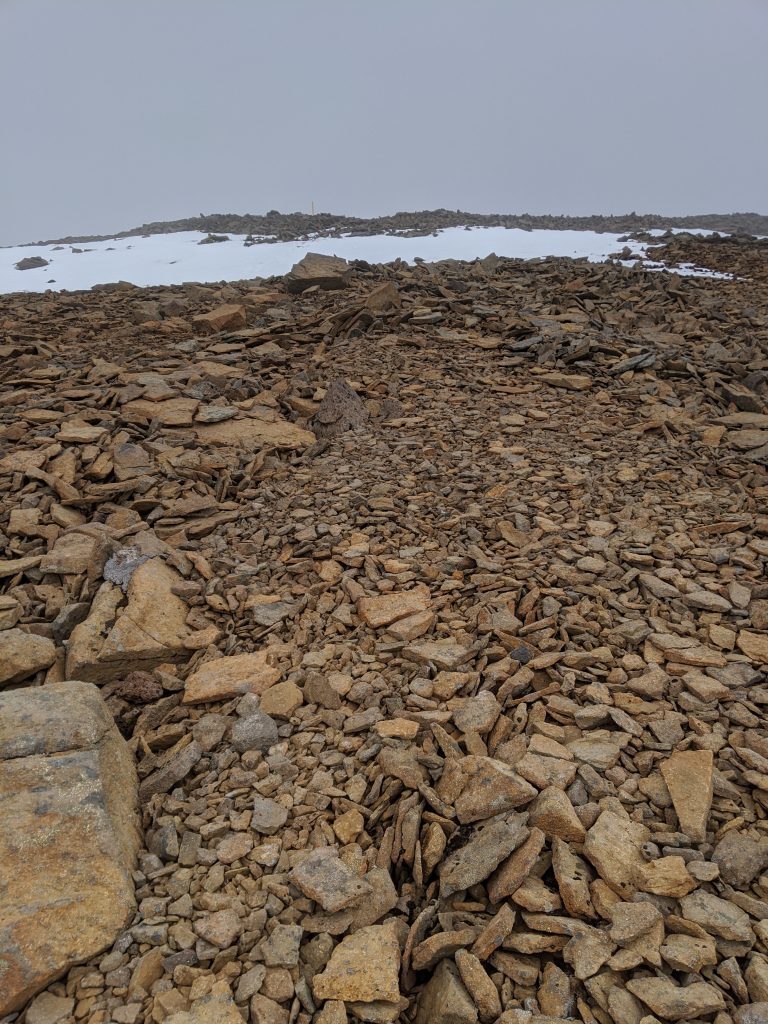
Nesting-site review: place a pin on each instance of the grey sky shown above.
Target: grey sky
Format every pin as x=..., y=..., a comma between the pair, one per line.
x=118, y=112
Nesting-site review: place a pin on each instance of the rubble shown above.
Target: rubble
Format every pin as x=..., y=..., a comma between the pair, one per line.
x=445, y=684
x=69, y=840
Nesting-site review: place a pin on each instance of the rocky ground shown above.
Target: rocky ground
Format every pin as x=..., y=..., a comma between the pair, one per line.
x=432, y=605
x=281, y=227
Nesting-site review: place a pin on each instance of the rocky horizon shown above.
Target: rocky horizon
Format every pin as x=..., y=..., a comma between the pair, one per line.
x=289, y=226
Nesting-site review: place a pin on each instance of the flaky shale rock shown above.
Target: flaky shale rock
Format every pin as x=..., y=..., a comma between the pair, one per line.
x=70, y=836
x=445, y=999
x=118, y=638
x=340, y=410
x=674, y=1002
x=224, y=678
x=689, y=776
x=363, y=968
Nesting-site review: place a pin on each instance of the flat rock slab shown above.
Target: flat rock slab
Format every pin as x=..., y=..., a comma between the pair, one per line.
x=255, y=432
x=119, y=637
x=673, y=1002
x=224, y=678
x=482, y=854
x=387, y=608
x=323, y=877
x=68, y=802
x=689, y=775
x=223, y=318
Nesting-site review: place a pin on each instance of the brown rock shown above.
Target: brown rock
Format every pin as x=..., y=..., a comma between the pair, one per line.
x=70, y=837
x=387, y=608
x=740, y=859
x=223, y=318
x=440, y=945
x=444, y=999
x=554, y=814
x=22, y=654
x=717, y=916
x=364, y=968
x=259, y=429
x=613, y=846
x=172, y=412
x=220, y=928
x=281, y=700
x=475, y=861
x=491, y=787
x=216, y=1007
x=317, y=270
x=689, y=777
x=443, y=654
x=573, y=878
x=224, y=678
x=326, y=879
x=341, y=410
x=665, y=876
x=143, y=633
x=754, y=645
x=673, y=1002
x=512, y=872
x=687, y=953
x=480, y=987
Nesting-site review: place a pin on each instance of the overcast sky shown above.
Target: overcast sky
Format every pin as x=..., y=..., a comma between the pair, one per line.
x=119, y=112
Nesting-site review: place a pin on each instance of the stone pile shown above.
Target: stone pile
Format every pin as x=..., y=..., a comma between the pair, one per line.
x=433, y=609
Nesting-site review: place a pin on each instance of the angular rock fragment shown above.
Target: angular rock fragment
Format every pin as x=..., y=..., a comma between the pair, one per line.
x=340, y=410
x=118, y=638
x=223, y=318
x=69, y=803
x=516, y=867
x=445, y=1000
x=689, y=777
x=323, y=877
x=22, y=654
x=675, y=1002
x=740, y=859
x=363, y=968
x=475, y=861
x=490, y=787
x=388, y=608
x=555, y=815
x=224, y=678
x=613, y=846
x=317, y=270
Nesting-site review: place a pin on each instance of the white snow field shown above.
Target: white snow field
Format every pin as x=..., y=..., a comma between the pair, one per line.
x=177, y=258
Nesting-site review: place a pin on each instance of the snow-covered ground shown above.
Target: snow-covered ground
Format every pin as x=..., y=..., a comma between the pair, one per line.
x=177, y=258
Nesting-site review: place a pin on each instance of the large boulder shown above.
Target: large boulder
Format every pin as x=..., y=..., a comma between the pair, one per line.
x=315, y=269
x=70, y=835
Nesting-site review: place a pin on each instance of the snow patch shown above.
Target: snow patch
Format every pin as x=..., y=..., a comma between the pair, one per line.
x=178, y=258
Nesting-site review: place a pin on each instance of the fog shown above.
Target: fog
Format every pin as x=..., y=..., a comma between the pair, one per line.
x=122, y=112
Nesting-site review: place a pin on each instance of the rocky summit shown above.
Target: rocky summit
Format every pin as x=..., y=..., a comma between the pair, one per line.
x=388, y=643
